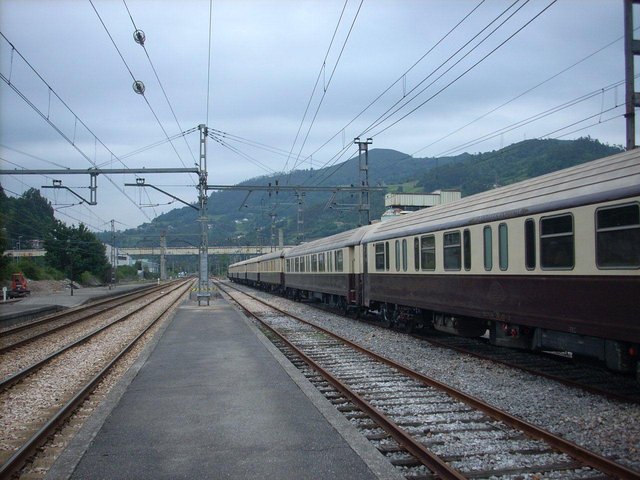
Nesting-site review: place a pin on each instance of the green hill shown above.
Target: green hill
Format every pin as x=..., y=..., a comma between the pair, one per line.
x=234, y=222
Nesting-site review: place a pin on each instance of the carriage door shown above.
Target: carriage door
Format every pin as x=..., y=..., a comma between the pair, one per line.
x=351, y=258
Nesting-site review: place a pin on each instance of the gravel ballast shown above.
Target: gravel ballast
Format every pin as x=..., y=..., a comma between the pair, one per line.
x=608, y=427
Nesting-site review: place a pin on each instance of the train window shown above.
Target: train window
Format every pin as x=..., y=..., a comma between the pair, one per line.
x=296, y=264
x=618, y=237
x=288, y=263
x=330, y=261
x=416, y=253
x=488, y=248
x=321, y=262
x=556, y=242
x=428, y=252
x=386, y=256
x=503, y=246
x=466, y=245
x=397, y=255
x=404, y=255
x=339, y=265
x=530, y=244
x=314, y=263
x=452, y=251
x=379, y=257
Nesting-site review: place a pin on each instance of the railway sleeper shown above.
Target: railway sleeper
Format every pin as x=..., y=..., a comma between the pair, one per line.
x=571, y=465
x=405, y=462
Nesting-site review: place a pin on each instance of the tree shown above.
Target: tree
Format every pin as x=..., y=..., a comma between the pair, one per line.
x=29, y=216
x=75, y=250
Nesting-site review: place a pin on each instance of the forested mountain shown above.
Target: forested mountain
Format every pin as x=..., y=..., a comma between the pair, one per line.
x=237, y=220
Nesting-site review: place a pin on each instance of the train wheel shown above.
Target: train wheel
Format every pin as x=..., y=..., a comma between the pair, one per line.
x=387, y=316
x=409, y=324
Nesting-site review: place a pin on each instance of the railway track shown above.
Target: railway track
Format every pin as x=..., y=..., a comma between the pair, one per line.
x=591, y=378
x=584, y=375
x=24, y=333
x=36, y=404
x=425, y=428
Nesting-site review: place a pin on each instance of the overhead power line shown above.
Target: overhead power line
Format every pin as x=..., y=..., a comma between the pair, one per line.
x=135, y=81
x=47, y=119
x=466, y=71
x=155, y=72
x=324, y=93
x=313, y=91
x=404, y=99
x=400, y=78
x=249, y=158
x=533, y=118
x=529, y=90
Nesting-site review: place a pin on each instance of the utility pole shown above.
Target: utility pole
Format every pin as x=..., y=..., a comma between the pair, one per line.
x=203, y=272
x=163, y=252
x=114, y=257
x=300, y=237
x=631, y=49
x=273, y=230
x=363, y=160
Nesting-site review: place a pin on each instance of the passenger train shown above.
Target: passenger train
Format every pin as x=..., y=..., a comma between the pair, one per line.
x=551, y=263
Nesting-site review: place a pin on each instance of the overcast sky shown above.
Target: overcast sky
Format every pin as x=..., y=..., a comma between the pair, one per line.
x=265, y=59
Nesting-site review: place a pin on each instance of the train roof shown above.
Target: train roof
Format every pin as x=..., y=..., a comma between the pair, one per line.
x=609, y=178
x=261, y=258
x=339, y=240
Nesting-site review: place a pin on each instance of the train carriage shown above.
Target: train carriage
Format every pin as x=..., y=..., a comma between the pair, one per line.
x=551, y=262
x=271, y=270
x=237, y=272
x=328, y=269
x=548, y=263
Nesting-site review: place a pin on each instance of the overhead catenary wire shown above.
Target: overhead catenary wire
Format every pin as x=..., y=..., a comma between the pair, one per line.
x=220, y=141
x=135, y=80
x=313, y=91
x=250, y=143
x=155, y=72
x=377, y=122
x=315, y=115
x=467, y=70
x=520, y=95
x=521, y=123
x=403, y=75
x=155, y=144
x=532, y=118
x=47, y=119
x=382, y=117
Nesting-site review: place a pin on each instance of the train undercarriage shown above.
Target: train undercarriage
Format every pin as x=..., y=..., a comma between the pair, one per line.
x=616, y=355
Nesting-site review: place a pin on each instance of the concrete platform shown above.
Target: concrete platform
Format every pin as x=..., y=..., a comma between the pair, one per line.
x=215, y=399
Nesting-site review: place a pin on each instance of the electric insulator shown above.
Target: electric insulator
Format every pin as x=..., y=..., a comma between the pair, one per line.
x=139, y=37
x=138, y=87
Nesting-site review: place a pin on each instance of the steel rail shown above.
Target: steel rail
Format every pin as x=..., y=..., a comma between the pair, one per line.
x=118, y=301
x=424, y=455
x=11, y=380
x=56, y=316
x=577, y=452
x=41, y=436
